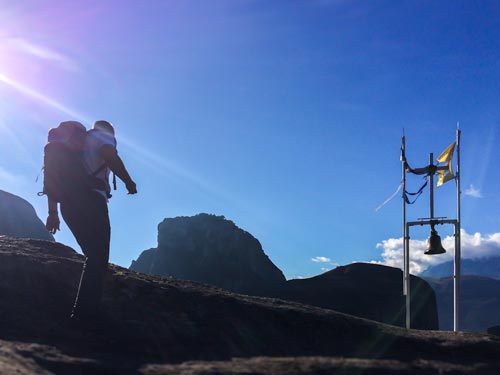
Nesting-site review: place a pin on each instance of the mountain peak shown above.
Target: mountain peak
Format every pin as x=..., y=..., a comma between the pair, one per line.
x=488, y=267
x=19, y=219
x=211, y=249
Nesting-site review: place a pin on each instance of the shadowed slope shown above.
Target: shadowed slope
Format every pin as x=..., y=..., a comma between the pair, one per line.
x=19, y=219
x=150, y=320
x=370, y=291
x=213, y=250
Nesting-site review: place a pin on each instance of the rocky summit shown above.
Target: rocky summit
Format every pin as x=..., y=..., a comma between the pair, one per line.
x=154, y=325
x=213, y=250
x=210, y=249
x=19, y=219
x=369, y=291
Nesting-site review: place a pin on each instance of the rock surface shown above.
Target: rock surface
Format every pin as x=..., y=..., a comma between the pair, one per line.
x=19, y=219
x=153, y=325
x=212, y=250
x=369, y=291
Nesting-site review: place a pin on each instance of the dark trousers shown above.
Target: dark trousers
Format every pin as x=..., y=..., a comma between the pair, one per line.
x=88, y=219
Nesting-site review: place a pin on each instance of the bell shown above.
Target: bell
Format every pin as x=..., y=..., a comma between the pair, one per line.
x=434, y=246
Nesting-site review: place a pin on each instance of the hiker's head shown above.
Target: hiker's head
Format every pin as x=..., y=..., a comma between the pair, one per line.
x=104, y=126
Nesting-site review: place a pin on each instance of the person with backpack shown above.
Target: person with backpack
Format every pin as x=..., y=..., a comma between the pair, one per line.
x=77, y=164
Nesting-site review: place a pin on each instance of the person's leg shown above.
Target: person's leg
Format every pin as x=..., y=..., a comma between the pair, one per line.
x=88, y=220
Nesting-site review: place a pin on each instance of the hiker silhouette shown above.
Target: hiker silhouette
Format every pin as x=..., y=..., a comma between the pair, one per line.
x=77, y=165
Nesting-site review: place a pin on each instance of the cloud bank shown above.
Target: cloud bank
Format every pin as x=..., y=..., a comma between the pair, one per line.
x=474, y=246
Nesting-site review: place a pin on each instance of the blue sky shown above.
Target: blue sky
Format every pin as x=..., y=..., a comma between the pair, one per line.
x=284, y=116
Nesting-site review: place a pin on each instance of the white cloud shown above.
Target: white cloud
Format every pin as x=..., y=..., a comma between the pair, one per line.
x=471, y=191
x=473, y=246
x=321, y=259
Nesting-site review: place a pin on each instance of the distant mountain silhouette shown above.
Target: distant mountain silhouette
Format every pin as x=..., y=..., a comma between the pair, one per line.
x=479, y=306
x=487, y=267
x=213, y=250
x=19, y=219
x=370, y=291
x=151, y=325
x=210, y=249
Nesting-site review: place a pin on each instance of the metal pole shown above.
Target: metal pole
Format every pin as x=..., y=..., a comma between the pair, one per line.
x=407, y=276
x=406, y=243
x=431, y=183
x=403, y=172
x=456, y=276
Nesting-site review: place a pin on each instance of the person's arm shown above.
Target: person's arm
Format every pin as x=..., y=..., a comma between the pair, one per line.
x=52, y=224
x=115, y=163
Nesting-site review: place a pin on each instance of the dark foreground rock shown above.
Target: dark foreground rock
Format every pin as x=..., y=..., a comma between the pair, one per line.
x=19, y=219
x=153, y=325
x=34, y=359
x=495, y=330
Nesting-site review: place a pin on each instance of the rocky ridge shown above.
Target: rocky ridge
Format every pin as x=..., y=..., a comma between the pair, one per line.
x=212, y=250
x=153, y=325
x=369, y=291
x=485, y=267
x=19, y=219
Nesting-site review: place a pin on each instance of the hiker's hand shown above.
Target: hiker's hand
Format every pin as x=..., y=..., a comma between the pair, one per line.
x=131, y=187
x=52, y=223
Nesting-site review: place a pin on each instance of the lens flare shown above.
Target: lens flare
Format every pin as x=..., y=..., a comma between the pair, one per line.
x=37, y=96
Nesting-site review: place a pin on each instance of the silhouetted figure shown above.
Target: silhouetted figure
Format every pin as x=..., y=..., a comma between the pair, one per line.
x=77, y=168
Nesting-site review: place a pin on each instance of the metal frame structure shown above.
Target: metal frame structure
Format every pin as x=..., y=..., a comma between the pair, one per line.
x=430, y=170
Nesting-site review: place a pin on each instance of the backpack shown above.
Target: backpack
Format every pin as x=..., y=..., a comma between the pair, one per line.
x=64, y=174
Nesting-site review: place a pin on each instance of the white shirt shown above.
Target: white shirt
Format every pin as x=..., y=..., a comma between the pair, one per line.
x=93, y=161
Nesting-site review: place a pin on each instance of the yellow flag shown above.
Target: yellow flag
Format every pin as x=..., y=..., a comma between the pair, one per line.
x=446, y=156
x=444, y=176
